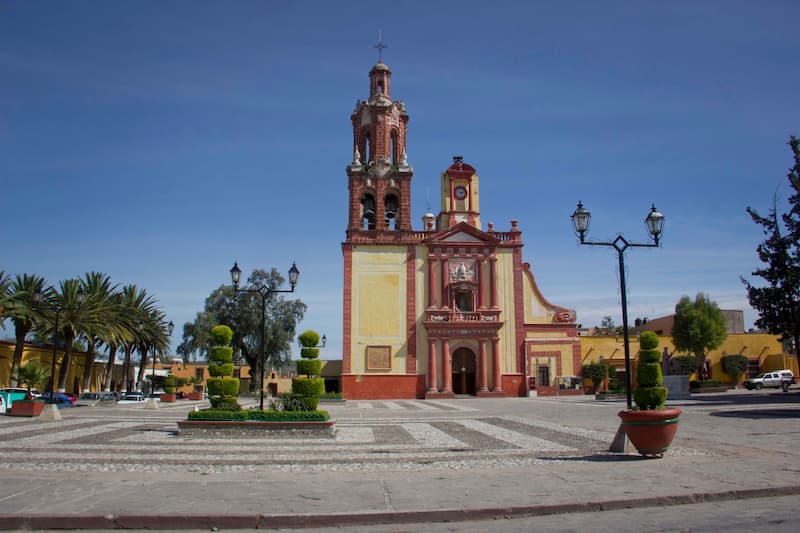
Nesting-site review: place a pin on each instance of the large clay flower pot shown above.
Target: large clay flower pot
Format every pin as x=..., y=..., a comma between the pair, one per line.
x=26, y=408
x=651, y=432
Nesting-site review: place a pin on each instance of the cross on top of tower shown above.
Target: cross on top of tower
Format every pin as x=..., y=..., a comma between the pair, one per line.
x=380, y=46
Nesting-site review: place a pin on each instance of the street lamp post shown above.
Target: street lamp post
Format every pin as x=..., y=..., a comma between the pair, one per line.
x=655, y=226
x=265, y=291
x=170, y=328
x=37, y=296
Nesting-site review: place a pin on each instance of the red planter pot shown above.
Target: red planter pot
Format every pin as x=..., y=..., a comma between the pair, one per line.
x=651, y=432
x=168, y=397
x=26, y=408
x=195, y=395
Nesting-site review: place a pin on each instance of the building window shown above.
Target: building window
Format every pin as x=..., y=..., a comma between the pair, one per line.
x=200, y=373
x=464, y=301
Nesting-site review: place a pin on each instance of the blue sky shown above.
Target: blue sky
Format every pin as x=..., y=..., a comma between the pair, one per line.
x=159, y=141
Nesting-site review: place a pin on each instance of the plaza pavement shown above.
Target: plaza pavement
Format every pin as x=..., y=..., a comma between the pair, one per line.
x=391, y=462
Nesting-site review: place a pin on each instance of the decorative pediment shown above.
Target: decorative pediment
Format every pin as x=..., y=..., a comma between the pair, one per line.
x=463, y=233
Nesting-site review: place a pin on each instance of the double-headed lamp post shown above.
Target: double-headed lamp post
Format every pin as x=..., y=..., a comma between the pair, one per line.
x=265, y=291
x=655, y=225
x=170, y=329
x=79, y=297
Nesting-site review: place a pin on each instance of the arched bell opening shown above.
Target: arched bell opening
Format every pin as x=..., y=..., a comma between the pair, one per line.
x=391, y=210
x=464, y=371
x=368, y=212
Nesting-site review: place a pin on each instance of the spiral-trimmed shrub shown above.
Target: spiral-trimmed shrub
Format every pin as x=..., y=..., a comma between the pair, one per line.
x=308, y=388
x=649, y=394
x=223, y=389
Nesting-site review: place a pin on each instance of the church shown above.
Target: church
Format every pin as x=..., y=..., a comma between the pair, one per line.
x=451, y=308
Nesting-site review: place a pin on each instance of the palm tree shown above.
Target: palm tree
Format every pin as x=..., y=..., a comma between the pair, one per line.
x=153, y=337
x=99, y=292
x=76, y=317
x=116, y=337
x=33, y=375
x=138, y=306
x=25, y=313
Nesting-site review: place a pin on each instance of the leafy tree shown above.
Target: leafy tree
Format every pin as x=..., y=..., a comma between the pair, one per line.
x=607, y=327
x=24, y=313
x=699, y=328
x=649, y=392
x=309, y=389
x=223, y=388
x=778, y=301
x=242, y=313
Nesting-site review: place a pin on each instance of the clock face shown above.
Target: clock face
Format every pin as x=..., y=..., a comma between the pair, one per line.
x=461, y=193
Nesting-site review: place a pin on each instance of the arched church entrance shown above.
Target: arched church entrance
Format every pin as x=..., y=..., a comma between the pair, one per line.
x=464, y=371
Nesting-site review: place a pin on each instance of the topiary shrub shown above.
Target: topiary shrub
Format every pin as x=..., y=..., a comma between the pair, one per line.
x=734, y=365
x=308, y=389
x=596, y=371
x=649, y=394
x=685, y=365
x=223, y=389
x=169, y=384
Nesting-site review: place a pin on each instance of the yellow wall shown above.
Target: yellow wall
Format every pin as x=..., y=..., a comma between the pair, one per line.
x=379, y=313
x=764, y=347
x=505, y=289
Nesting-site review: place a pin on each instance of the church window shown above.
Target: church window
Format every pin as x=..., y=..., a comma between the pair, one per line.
x=365, y=149
x=368, y=211
x=393, y=148
x=464, y=302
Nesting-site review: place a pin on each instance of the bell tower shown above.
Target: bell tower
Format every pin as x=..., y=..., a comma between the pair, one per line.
x=460, y=196
x=379, y=177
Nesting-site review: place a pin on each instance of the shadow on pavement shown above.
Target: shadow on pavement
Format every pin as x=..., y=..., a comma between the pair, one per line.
x=601, y=458
x=759, y=413
x=747, y=398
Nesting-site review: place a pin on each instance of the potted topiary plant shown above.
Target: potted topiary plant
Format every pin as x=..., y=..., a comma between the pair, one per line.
x=651, y=426
x=170, y=382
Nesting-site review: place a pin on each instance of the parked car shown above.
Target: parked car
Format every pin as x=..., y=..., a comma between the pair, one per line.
x=2, y=406
x=778, y=378
x=90, y=399
x=59, y=398
x=132, y=398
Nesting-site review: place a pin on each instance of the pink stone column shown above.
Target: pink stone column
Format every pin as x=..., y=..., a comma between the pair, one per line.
x=431, y=282
x=443, y=303
x=482, y=381
x=497, y=378
x=432, y=365
x=447, y=367
x=493, y=282
x=482, y=285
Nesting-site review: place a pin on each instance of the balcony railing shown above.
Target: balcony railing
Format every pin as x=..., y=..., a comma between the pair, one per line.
x=447, y=315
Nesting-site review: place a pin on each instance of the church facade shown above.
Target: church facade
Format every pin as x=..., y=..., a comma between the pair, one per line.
x=451, y=308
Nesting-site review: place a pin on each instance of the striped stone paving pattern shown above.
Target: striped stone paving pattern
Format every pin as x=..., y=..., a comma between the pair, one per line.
x=370, y=436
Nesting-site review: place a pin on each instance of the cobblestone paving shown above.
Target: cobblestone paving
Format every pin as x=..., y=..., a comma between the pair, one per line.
x=373, y=436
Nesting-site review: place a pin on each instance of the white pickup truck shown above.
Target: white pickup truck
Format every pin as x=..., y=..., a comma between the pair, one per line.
x=775, y=379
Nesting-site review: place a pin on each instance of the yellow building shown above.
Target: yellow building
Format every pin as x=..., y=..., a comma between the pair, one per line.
x=446, y=310
x=763, y=351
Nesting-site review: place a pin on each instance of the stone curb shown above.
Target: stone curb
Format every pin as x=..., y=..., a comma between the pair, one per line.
x=264, y=521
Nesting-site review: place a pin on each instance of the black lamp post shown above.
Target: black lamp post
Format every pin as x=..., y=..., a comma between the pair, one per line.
x=265, y=291
x=655, y=225
x=37, y=296
x=170, y=328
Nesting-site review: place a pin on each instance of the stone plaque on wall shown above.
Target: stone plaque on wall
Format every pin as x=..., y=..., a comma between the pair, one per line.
x=379, y=357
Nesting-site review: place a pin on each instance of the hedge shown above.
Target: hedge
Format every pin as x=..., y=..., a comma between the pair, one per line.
x=260, y=416
x=309, y=367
